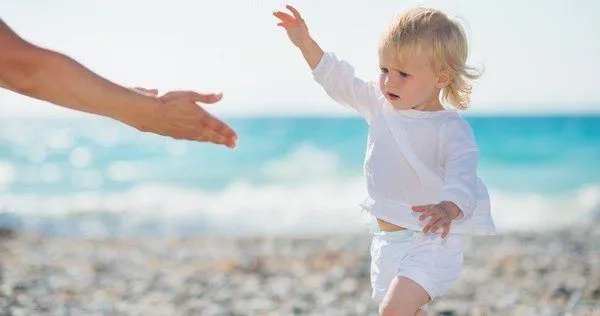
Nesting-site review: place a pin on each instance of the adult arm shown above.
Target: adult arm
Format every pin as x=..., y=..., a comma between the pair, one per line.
x=50, y=76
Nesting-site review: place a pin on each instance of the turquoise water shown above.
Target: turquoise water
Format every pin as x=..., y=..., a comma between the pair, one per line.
x=289, y=175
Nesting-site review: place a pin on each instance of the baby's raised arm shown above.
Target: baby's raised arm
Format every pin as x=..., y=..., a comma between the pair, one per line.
x=297, y=31
x=335, y=76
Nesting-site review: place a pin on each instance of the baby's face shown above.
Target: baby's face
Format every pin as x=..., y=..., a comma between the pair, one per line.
x=410, y=85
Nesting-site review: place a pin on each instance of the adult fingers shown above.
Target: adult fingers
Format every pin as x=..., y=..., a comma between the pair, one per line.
x=172, y=95
x=215, y=125
x=192, y=96
x=206, y=98
x=181, y=106
x=214, y=137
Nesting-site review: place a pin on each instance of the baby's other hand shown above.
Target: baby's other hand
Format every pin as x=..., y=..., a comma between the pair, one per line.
x=441, y=215
x=294, y=25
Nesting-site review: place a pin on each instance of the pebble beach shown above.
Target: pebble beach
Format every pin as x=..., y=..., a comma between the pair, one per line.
x=542, y=273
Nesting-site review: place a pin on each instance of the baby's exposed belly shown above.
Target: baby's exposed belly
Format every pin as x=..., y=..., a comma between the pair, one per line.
x=388, y=227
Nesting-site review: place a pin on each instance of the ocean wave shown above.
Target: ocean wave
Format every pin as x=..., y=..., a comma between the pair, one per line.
x=323, y=207
x=513, y=211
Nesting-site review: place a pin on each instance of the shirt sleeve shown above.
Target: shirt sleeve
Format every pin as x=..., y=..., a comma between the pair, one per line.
x=338, y=79
x=459, y=155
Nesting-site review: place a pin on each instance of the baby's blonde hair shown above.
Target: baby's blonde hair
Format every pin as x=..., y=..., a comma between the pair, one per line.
x=429, y=30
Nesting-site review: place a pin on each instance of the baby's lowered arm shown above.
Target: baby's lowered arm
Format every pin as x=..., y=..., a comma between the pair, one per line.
x=459, y=157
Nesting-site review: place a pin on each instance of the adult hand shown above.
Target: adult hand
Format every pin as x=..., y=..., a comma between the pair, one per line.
x=47, y=75
x=180, y=116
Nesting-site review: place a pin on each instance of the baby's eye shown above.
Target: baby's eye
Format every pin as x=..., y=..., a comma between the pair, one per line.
x=384, y=70
x=403, y=74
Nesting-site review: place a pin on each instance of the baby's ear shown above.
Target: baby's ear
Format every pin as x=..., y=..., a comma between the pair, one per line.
x=444, y=79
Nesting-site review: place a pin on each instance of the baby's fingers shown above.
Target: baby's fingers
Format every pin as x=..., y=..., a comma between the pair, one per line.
x=421, y=208
x=446, y=230
x=294, y=11
x=283, y=16
x=440, y=223
x=427, y=213
x=433, y=225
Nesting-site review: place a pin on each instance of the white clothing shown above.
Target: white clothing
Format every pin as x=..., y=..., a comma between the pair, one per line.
x=413, y=157
x=429, y=260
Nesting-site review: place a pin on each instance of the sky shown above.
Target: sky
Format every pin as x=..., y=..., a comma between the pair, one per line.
x=537, y=56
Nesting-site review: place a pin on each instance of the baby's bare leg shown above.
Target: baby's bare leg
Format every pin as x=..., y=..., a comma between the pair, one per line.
x=404, y=298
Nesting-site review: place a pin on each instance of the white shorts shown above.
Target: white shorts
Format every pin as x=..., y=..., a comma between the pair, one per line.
x=428, y=259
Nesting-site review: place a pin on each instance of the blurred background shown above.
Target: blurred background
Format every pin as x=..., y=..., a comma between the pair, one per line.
x=535, y=115
x=297, y=171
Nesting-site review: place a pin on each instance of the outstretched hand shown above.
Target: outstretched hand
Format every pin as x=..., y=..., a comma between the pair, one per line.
x=294, y=25
x=180, y=117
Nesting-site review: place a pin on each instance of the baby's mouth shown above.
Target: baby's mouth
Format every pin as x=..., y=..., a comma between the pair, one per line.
x=392, y=96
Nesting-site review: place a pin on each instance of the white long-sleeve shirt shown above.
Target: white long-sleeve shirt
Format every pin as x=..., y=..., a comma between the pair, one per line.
x=413, y=157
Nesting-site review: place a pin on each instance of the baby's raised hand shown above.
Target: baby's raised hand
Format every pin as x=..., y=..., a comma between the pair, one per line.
x=294, y=25
x=441, y=215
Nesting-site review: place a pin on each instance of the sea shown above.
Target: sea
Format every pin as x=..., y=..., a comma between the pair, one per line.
x=94, y=177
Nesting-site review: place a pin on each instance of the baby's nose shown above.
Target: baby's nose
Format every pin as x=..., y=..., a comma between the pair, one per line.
x=389, y=82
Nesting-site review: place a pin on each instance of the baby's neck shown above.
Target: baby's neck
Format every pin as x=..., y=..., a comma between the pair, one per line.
x=435, y=106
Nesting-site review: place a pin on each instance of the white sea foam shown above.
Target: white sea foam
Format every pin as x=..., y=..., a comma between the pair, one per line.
x=242, y=208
